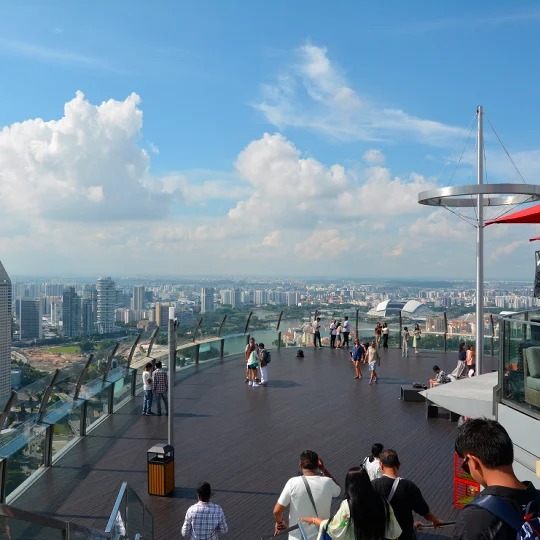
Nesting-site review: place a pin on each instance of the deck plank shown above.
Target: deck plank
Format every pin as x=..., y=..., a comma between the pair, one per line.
x=246, y=441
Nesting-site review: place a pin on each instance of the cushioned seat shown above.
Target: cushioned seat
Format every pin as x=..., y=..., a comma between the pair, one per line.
x=534, y=383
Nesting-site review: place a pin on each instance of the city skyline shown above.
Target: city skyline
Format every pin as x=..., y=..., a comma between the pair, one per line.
x=292, y=155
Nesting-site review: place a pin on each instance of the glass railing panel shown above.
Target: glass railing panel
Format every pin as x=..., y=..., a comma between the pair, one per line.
x=185, y=356
x=209, y=350
x=66, y=429
x=23, y=530
x=234, y=344
x=122, y=388
x=97, y=406
x=521, y=366
x=26, y=461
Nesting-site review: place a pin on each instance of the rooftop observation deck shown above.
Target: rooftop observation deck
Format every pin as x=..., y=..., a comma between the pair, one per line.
x=246, y=441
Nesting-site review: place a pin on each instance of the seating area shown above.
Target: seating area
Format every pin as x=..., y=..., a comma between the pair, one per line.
x=246, y=441
x=531, y=374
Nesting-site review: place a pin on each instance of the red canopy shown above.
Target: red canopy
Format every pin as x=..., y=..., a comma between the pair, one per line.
x=529, y=215
x=533, y=239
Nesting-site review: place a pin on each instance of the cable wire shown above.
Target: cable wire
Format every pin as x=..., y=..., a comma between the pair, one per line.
x=469, y=127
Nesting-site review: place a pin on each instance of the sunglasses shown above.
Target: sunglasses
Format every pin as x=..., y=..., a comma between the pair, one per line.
x=465, y=464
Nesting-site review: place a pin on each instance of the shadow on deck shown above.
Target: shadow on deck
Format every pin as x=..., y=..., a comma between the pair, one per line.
x=246, y=441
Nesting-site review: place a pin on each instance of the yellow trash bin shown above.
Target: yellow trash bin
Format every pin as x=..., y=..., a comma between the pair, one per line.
x=160, y=470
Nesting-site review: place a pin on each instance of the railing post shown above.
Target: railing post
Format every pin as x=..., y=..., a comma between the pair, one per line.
x=3, y=478
x=197, y=329
x=492, y=340
x=400, y=330
x=47, y=396
x=221, y=325
x=133, y=383
x=152, y=339
x=356, y=335
x=279, y=321
x=222, y=348
x=248, y=337
x=279, y=340
x=109, y=362
x=82, y=375
x=7, y=409
x=247, y=322
x=132, y=351
x=197, y=348
x=110, y=399
x=83, y=417
x=47, y=457
x=445, y=330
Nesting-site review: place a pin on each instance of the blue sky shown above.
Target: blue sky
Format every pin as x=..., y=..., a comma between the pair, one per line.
x=362, y=104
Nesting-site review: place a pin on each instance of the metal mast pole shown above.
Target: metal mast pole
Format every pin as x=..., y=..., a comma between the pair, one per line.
x=480, y=252
x=172, y=375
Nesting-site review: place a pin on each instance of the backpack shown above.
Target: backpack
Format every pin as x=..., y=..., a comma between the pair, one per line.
x=268, y=357
x=299, y=353
x=527, y=526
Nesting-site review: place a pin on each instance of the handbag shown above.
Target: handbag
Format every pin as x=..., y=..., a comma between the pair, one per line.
x=324, y=535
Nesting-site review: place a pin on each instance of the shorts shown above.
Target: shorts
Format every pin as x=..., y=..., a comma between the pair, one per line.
x=252, y=366
x=372, y=366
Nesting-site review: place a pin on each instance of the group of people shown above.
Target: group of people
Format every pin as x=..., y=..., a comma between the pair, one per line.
x=257, y=360
x=362, y=353
x=155, y=385
x=339, y=333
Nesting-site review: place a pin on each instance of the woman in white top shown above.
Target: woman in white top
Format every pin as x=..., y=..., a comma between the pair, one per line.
x=363, y=514
x=385, y=335
x=416, y=337
x=339, y=331
x=372, y=463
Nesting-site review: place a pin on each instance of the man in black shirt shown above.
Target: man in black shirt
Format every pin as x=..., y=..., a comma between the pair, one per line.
x=488, y=455
x=407, y=497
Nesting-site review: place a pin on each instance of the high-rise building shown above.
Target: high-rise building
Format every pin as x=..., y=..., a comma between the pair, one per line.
x=87, y=317
x=236, y=298
x=106, y=305
x=54, y=289
x=71, y=313
x=5, y=332
x=56, y=310
x=31, y=326
x=207, y=299
x=261, y=297
x=90, y=293
x=138, y=298
x=162, y=314
x=226, y=297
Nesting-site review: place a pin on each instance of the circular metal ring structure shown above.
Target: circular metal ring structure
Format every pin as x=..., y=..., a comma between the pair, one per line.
x=493, y=195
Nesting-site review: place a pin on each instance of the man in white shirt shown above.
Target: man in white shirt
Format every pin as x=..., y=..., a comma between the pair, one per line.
x=147, y=390
x=295, y=495
x=346, y=326
x=317, y=332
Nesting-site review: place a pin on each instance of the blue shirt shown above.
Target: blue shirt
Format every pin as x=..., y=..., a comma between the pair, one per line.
x=357, y=352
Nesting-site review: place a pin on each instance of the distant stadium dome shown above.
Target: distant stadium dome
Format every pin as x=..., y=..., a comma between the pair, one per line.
x=391, y=308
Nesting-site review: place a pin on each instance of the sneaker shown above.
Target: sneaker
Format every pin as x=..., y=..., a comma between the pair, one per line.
x=250, y=383
x=247, y=380
x=263, y=384
x=255, y=385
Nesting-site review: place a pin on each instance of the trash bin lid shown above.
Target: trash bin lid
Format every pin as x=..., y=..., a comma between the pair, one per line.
x=161, y=448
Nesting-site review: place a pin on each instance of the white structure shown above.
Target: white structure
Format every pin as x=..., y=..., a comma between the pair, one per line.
x=106, y=304
x=391, y=308
x=207, y=299
x=5, y=333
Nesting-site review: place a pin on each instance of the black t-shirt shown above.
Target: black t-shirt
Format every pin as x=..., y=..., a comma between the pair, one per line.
x=407, y=499
x=476, y=523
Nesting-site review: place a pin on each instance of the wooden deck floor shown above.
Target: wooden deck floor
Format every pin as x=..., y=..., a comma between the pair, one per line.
x=246, y=441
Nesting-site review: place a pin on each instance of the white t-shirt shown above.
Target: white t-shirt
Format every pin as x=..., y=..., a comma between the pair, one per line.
x=145, y=376
x=373, y=468
x=256, y=348
x=294, y=494
x=346, y=326
x=333, y=329
x=316, y=326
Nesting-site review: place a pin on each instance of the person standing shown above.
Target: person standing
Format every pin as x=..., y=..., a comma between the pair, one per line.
x=488, y=455
x=471, y=360
x=251, y=342
x=160, y=384
x=357, y=356
x=404, y=496
x=338, y=335
x=204, y=520
x=333, y=327
x=461, y=369
x=263, y=358
x=378, y=333
x=346, y=332
x=252, y=364
x=385, y=335
x=147, y=390
x=317, y=332
x=372, y=358
x=302, y=493
x=416, y=337
x=372, y=463
x=405, y=343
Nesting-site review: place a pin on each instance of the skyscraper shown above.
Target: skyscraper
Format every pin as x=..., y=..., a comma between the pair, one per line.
x=87, y=317
x=5, y=332
x=90, y=293
x=31, y=319
x=236, y=298
x=162, y=314
x=207, y=299
x=138, y=298
x=71, y=313
x=106, y=304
